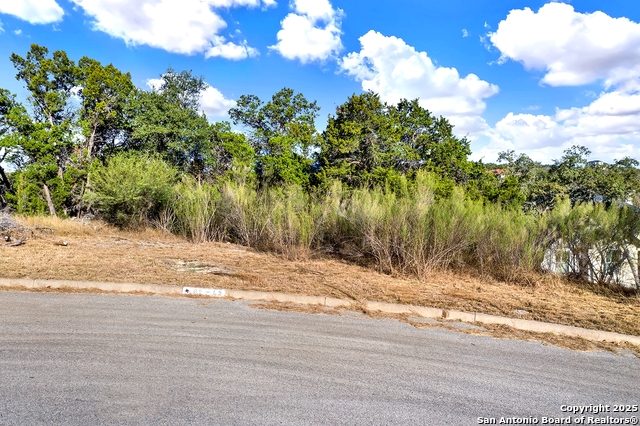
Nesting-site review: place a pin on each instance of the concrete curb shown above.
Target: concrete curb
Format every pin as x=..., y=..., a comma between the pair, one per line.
x=90, y=285
x=420, y=311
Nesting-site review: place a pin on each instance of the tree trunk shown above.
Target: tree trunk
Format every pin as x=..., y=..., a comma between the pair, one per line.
x=47, y=196
x=632, y=266
x=91, y=141
x=5, y=180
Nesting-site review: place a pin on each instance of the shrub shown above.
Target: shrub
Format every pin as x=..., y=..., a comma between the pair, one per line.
x=131, y=189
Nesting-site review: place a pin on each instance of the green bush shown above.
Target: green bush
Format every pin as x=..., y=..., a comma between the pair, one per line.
x=131, y=189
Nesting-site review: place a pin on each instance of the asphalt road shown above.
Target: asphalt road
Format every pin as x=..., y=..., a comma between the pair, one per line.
x=108, y=359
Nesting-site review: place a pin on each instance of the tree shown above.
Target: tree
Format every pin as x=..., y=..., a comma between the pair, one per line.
x=595, y=181
x=46, y=143
x=43, y=142
x=358, y=142
x=233, y=156
x=538, y=191
x=10, y=112
x=282, y=133
x=369, y=142
x=167, y=121
x=104, y=92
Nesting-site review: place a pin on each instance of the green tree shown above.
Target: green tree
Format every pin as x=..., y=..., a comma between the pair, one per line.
x=42, y=142
x=282, y=133
x=369, y=142
x=11, y=112
x=233, y=156
x=104, y=92
x=167, y=121
x=589, y=181
x=538, y=191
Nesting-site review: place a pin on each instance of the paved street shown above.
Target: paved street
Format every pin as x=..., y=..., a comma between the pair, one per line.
x=108, y=359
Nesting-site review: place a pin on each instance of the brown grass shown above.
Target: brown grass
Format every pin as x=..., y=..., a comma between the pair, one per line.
x=294, y=307
x=97, y=252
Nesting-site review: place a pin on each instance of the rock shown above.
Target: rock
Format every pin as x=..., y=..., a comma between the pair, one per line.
x=88, y=218
x=7, y=210
x=7, y=222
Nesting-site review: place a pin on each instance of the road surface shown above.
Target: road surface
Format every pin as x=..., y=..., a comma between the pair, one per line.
x=82, y=359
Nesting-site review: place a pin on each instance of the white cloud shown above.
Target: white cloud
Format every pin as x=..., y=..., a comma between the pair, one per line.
x=17, y=32
x=186, y=27
x=154, y=84
x=573, y=48
x=395, y=70
x=33, y=11
x=312, y=32
x=229, y=50
x=212, y=101
x=214, y=104
x=465, y=33
x=609, y=127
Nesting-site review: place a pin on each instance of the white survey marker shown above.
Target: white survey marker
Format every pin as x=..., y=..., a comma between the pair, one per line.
x=204, y=291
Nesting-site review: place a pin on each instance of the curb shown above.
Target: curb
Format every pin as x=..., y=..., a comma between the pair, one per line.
x=520, y=324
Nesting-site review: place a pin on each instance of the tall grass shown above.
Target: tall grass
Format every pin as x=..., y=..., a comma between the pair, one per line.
x=413, y=233
x=511, y=244
x=285, y=220
x=598, y=241
x=194, y=211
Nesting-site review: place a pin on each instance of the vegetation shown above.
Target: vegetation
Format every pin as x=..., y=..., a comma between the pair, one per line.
x=389, y=185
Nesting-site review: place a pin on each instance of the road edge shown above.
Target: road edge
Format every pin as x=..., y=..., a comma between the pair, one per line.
x=421, y=311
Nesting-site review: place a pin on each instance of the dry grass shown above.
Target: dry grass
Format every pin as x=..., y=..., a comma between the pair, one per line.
x=100, y=253
x=294, y=307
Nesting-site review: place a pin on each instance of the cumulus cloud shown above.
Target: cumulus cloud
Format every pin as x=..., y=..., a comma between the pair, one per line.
x=229, y=50
x=312, y=32
x=572, y=48
x=465, y=33
x=33, y=11
x=609, y=127
x=212, y=101
x=154, y=84
x=214, y=104
x=186, y=27
x=395, y=70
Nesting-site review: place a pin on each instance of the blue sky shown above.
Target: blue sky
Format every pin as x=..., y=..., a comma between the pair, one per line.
x=533, y=76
